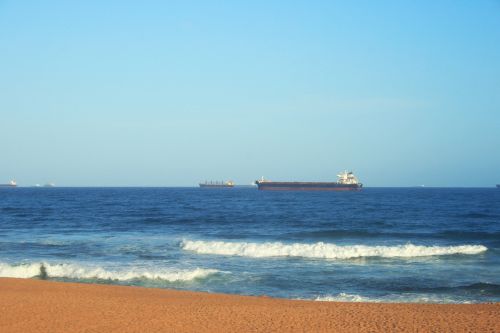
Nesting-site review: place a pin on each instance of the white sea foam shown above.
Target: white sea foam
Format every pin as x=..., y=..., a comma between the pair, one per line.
x=76, y=271
x=324, y=250
x=394, y=298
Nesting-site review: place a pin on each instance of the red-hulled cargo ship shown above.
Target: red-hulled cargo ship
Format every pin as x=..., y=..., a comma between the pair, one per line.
x=346, y=182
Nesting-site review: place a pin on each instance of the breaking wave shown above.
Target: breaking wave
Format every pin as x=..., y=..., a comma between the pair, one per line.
x=396, y=298
x=324, y=250
x=74, y=271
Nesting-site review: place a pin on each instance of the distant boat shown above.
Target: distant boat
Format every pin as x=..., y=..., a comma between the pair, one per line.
x=346, y=182
x=498, y=185
x=49, y=185
x=12, y=183
x=217, y=184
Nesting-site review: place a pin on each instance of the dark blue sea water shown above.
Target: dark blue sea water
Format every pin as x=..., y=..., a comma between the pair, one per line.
x=387, y=244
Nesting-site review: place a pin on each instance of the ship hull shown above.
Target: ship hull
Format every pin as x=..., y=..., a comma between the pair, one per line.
x=215, y=186
x=306, y=186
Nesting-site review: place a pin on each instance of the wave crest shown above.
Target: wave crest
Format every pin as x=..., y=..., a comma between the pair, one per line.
x=324, y=250
x=397, y=298
x=74, y=271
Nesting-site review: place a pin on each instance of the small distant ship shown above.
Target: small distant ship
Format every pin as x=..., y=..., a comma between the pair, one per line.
x=12, y=183
x=49, y=185
x=217, y=184
x=498, y=185
x=346, y=182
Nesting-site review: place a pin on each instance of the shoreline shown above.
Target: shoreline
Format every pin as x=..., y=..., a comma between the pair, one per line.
x=29, y=305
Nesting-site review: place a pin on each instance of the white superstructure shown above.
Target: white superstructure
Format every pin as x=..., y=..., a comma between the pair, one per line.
x=347, y=177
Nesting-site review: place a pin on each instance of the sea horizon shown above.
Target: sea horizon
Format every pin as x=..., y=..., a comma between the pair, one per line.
x=243, y=186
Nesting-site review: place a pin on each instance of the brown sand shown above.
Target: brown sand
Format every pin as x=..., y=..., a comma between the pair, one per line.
x=45, y=306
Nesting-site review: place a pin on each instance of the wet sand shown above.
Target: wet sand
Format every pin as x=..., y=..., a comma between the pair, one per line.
x=45, y=306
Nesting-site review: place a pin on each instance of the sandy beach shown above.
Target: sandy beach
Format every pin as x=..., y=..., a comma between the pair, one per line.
x=28, y=305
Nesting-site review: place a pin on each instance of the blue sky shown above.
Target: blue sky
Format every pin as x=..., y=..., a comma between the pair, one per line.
x=166, y=93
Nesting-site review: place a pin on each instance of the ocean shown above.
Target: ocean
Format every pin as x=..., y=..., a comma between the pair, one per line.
x=437, y=245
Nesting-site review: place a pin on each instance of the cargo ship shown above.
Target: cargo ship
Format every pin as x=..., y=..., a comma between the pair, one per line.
x=217, y=184
x=12, y=183
x=346, y=182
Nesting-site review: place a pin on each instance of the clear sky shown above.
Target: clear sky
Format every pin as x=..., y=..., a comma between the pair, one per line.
x=169, y=93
